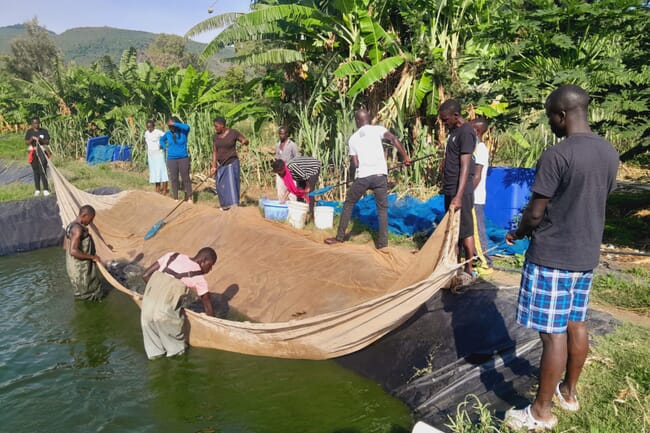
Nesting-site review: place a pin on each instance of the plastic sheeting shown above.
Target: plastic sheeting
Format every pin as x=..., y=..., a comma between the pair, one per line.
x=33, y=223
x=15, y=172
x=410, y=216
x=98, y=151
x=457, y=345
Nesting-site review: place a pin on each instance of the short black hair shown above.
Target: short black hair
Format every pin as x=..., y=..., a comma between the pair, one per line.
x=87, y=210
x=277, y=165
x=151, y=122
x=481, y=121
x=450, y=106
x=207, y=253
x=220, y=120
x=35, y=119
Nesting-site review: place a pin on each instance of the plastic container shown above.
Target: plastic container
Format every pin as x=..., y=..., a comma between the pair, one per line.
x=324, y=217
x=274, y=210
x=508, y=192
x=297, y=213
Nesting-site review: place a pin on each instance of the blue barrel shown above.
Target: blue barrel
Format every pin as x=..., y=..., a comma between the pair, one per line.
x=508, y=193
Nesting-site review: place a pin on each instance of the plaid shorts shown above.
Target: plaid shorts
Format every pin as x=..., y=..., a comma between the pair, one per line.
x=549, y=298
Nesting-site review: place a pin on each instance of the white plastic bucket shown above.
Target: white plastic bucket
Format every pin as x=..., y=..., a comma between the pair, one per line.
x=297, y=213
x=324, y=217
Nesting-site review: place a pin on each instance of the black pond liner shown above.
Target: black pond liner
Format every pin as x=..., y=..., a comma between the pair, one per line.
x=33, y=223
x=454, y=346
x=458, y=345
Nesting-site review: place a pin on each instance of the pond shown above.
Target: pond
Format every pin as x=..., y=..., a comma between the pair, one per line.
x=69, y=366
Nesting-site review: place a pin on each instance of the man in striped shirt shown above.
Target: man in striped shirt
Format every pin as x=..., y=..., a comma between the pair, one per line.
x=300, y=176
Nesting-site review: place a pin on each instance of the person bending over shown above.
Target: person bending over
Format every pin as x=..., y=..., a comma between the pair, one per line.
x=173, y=282
x=299, y=176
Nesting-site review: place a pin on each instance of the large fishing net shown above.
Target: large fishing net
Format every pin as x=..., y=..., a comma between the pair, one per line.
x=301, y=298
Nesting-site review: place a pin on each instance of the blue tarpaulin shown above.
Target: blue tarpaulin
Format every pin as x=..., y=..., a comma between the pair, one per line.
x=508, y=191
x=98, y=151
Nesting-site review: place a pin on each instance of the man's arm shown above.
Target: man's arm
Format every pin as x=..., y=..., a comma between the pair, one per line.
x=531, y=218
x=398, y=145
x=465, y=160
x=150, y=270
x=477, y=175
x=242, y=140
x=75, y=239
x=207, y=304
x=354, y=164
x=182, y=127
x=215, y=151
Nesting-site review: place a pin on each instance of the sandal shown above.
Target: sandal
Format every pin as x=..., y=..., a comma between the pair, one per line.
x=518, y=419
x=332, y=241
x=571, y=407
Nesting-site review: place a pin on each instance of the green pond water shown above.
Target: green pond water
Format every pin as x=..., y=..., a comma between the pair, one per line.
x=69, y=366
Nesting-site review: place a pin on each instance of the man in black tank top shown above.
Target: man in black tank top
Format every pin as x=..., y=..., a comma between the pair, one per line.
x=81, y=257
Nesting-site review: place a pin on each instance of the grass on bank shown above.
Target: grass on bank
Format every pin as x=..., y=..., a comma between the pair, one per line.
x=614, y=390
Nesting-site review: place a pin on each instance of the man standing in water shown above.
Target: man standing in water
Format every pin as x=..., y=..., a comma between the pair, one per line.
x=81, y=260
x=367, y=156
x=173, y=282
x=37, y=139
x=565, y=220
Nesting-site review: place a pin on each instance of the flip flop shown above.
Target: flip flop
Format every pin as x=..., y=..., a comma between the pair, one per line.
x=571, y=407
x=518, y=419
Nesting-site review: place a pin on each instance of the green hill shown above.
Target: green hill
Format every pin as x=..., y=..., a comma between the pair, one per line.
x=84, y=45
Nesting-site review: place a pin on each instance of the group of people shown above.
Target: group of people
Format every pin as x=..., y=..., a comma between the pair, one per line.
x=564, y=220
x=169, y=159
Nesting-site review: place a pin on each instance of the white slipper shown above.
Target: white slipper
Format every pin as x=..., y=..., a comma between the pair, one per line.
x=571, y=407
x=518, y=419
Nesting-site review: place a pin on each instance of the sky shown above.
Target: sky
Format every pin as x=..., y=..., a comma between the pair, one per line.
x=156, y=16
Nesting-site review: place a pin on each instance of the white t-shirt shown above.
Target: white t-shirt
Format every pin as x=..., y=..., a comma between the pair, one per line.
x=153, y=142
x=366, y=144
x=481, y=156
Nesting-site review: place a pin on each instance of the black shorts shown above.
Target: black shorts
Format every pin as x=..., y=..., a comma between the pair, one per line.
x=466, y=219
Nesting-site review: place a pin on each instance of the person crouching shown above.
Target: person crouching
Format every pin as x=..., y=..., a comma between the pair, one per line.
x=173, y=282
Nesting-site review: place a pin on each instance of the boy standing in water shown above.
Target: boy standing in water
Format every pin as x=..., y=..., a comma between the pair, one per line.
x=173, y=282
x=80, y=259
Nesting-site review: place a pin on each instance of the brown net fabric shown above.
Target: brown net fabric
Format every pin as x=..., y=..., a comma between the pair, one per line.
x=305, y=299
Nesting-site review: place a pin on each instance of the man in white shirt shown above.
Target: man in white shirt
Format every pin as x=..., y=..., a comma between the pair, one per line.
x=156, y=158
x=481, y=163
x=367, y=156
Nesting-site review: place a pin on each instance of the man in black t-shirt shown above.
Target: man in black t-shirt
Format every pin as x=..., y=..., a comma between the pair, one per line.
x=37, y=139
x=565, y=220
x=457, y=179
